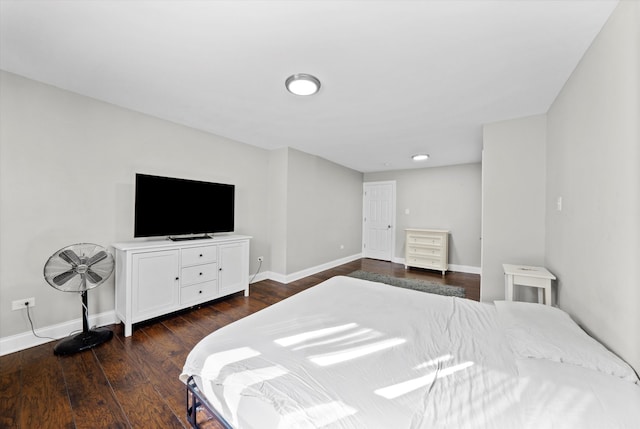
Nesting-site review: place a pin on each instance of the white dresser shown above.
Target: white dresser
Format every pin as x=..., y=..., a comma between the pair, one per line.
x=154, y=278
x=427, y=248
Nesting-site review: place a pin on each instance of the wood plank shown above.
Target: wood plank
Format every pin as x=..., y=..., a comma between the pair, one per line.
x=189, y=333
x=145, y=407
x=168, y=344
x=119, y=367
x=140, y=401
x=154, y=355
x=92, y=399
x=209, y=319
x=41, y=373
x=10, y=389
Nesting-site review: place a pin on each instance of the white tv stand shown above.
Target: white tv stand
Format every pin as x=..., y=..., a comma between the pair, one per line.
x=154, y=278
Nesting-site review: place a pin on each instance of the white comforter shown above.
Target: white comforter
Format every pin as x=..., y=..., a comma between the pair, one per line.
x=350, y=353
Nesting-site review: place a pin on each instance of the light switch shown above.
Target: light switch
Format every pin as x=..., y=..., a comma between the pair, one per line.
x=559, y=204
x=406, y=211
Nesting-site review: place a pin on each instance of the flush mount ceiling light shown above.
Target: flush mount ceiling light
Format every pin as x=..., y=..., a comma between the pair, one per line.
x=302, y=84
x=420, y=157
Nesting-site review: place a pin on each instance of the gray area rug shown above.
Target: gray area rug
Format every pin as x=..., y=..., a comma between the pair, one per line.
x=420, y=285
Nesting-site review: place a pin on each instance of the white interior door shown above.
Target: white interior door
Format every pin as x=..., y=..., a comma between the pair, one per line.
x=378, y=231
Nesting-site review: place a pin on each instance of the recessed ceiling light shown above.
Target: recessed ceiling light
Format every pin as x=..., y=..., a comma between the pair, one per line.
x=302, y=84
x=420, y=157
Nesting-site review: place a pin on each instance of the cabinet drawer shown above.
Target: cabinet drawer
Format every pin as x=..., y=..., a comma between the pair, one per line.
x=425, y=262
x=424, y=251
x=434, y=240
x=199, y=273
x=199, y=255
x=200, y=292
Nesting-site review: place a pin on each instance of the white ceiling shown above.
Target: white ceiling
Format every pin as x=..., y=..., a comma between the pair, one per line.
x=398, y=77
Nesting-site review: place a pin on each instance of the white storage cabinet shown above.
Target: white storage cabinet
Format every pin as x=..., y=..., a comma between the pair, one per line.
x=154, y=278
x=427, y=248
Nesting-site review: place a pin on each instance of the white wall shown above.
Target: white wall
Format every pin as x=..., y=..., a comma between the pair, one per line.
x=440, y=198
x=513, y=199
x=277, y=209
x=593, y=163
x=324, y=211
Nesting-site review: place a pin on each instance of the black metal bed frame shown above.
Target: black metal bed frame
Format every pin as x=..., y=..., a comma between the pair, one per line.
x=199, y=411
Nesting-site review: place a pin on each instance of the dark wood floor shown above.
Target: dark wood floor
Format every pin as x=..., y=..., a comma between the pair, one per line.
x=133, y=381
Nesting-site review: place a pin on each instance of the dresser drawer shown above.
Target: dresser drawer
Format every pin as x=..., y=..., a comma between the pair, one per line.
x=199, y=255
x=424, y=251
x=432, y=240
x=200, y=292
x=424, y=262
x=199, y=273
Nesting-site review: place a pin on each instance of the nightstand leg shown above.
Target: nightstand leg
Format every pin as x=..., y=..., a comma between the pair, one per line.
x=508, y=286
x=547, y=294
x=540, y=296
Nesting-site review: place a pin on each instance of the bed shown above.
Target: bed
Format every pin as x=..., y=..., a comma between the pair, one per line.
x=350, y=353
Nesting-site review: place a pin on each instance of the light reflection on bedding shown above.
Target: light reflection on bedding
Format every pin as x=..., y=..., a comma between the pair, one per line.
x=355, y=352
x=396, y=390
x=309, y=335
x=357, y=335
x=435, y=361
x=216, y=361
x=327, y=337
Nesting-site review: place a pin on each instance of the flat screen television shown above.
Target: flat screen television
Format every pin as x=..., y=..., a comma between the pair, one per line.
x=167, y=206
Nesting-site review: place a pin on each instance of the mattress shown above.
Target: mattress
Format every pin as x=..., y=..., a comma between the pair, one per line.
x=350, y=353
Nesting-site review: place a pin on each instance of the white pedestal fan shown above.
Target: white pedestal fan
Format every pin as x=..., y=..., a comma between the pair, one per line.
x=78, y=268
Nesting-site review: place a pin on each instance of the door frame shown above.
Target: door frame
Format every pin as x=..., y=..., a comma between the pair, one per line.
x=393, y=215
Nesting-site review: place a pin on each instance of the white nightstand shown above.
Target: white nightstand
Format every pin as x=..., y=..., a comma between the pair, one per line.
x=525, y=275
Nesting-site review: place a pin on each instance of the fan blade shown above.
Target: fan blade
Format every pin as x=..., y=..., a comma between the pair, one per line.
x=61, y=279
x=96, y=258
x=70, y=257
x=93, y=276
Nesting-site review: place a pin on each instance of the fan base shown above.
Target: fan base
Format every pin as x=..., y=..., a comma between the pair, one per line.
x=82, y=341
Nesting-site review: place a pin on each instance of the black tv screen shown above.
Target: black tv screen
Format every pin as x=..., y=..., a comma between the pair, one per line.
x=170, y=206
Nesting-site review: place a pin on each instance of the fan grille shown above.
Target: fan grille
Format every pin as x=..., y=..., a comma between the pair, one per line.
x=78, y=267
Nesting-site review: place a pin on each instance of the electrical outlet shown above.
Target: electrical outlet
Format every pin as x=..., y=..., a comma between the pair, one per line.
x=21, y=304
x=260, y=258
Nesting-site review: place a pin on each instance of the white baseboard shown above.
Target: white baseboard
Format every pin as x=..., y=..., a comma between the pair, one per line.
x=465, y=269
x=288, y=278
x=452, y=267
x=25, y=340
x=265, y=275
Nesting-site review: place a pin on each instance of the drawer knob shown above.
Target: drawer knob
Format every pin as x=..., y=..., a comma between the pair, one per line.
x=177, y=278
x=220, y=269
x=200, y=273
x=200, y=291
x=201, y=255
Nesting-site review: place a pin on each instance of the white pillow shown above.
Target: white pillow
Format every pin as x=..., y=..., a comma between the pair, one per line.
x=544, y=332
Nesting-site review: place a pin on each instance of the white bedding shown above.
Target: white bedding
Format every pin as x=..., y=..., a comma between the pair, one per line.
x=349, y=353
